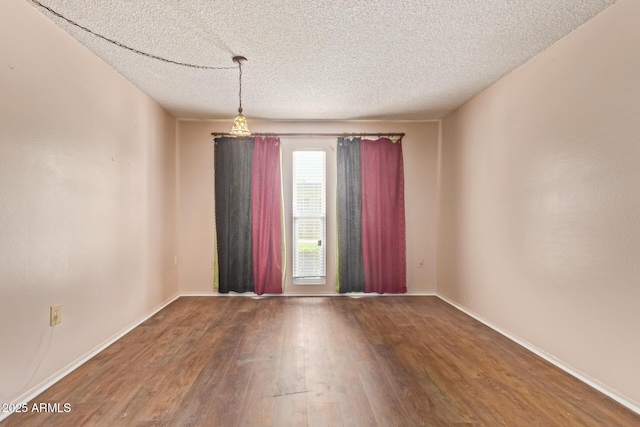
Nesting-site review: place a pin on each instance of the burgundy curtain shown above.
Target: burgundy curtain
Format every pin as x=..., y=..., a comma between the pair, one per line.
x=266, y=216
x=383, y=220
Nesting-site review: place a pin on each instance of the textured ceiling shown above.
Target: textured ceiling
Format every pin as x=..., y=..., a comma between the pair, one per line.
x=322, y=59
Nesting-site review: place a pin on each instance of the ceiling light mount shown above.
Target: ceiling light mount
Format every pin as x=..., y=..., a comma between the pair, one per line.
x=240, y=126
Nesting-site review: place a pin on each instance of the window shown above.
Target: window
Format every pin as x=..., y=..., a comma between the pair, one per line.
x=309, y=217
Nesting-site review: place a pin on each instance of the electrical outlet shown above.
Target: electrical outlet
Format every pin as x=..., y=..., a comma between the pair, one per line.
x=421, y=263
x=55, y=314
x=175, y=260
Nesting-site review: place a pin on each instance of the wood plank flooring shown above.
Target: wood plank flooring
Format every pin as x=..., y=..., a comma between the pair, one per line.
x=316, y=361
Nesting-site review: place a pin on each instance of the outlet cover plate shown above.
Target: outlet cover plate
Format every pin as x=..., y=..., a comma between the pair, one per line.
x=55, y=314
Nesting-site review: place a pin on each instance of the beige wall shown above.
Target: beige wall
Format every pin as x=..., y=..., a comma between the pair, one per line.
x=539, y=218
x=420, y=147
x=87, y=190
x=539, y=222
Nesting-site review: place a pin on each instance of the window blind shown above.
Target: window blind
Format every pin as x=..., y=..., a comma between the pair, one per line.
x=309, y=214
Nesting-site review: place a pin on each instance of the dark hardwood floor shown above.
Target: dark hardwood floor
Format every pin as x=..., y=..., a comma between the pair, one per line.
x=390, y=361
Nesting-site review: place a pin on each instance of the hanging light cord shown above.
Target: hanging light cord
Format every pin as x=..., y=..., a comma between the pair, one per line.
x=240, y=91
x=139, y=52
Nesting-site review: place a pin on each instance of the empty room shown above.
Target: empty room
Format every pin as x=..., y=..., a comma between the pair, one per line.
x=320, y=213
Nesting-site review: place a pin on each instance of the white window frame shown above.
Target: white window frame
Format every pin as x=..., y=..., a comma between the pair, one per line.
x=298, y=277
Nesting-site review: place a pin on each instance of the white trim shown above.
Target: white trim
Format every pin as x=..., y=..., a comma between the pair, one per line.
x=421, y=294
x=549, y=358
x=39, y=388
x=302, y=294
x=198, y=294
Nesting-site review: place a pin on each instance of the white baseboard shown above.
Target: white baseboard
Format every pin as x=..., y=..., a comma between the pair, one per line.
x=298, y=294
x=549, y=358
x=198, y=294
x=39, y=388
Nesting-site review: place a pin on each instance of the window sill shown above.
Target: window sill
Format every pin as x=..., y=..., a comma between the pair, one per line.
x=310, y=281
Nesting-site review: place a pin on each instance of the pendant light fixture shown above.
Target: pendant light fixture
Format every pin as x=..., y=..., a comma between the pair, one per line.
x=240, y=126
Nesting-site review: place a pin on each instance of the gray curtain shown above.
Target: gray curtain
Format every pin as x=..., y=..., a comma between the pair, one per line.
x=233, y=166
x=350, y=265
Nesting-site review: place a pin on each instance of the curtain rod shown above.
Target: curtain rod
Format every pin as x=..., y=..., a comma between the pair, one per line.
x=378, y=134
